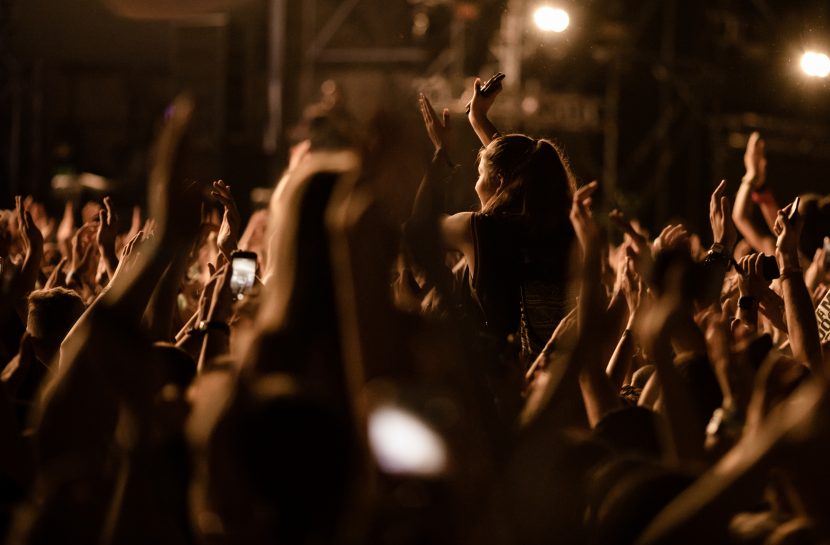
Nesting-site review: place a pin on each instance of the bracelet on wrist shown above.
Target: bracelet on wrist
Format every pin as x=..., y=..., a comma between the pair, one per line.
x=763, y=197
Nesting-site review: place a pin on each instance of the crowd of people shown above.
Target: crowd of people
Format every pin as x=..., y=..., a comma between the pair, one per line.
x=529, y=372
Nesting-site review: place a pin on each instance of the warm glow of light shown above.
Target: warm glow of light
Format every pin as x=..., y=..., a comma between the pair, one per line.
x=551, y=19
x=404, y=444
x=815, y=64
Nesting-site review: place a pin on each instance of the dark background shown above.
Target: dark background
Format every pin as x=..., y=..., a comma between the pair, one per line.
x=83, y=89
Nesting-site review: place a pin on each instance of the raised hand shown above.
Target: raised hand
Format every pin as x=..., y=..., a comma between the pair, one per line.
x=481, y=103
x=83, y=248
x=30, y=236
x=586, y=228
x=751, y=279
x=228, y=236
x=31, y=241
x=438, y=128
x=632, y=288
x=638, y=247
x=787, y=228
x=801, y=318
x=66, y=229
x=175, y=203
x=720, y=217
x=671, y=237
x=6, y=236
x=624, y=225
x=105, y=236
x=44, y=223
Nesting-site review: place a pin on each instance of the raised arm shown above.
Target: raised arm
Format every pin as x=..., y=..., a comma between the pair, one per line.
x=32, y=242
x=632, y=286
x=801, y=318
x=105, y=237
x=598, y=392
x=101, y=358
x=215, y=326
x=228, y=236
x=480, y=105
x=754, y=183
x=429, y=230
x=667, y=317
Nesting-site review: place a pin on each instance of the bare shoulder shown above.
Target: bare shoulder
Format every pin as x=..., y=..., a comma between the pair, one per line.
x=457, y=230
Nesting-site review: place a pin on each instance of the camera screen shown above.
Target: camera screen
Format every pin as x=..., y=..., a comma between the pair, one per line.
x=242, y=275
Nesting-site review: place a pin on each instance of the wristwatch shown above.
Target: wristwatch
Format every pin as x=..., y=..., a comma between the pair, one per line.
x=716, y=253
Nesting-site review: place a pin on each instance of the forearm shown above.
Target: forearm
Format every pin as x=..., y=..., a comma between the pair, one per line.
x=771, y=305
x=619, y=318
x=24, y=284
x=188, y=340
x=484, y=128
x=801, y=320
x=191, y=322
x=159, y=313
x=685, y=428
x=429, y=200
x=110, y=261
x=216, y=343
x=131, y=290
x=591, y=293
x=769, y=208
x=598, y=393
x=620, y=363
x=742, y=216
x=423, y=233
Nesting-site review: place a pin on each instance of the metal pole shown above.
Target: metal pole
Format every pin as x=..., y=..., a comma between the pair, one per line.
x=664, y=161
x=276, y=75
x=611, y=130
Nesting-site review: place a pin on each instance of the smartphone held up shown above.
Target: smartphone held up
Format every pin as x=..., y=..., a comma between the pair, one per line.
x=243, y=273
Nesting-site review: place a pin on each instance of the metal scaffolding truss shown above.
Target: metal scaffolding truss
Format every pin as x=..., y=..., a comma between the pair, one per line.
x=317, y=35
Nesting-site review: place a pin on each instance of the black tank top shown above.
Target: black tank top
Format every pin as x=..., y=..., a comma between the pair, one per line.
x=520, y=281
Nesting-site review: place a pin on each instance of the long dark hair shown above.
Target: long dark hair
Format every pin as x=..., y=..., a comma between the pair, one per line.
x=537, y=181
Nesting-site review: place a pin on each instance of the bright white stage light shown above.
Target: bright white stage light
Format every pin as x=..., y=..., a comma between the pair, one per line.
x=551, y=19
x=815, y=64
x=404, y=444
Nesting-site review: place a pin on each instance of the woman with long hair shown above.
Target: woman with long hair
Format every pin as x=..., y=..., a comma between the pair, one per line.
x=517, y=246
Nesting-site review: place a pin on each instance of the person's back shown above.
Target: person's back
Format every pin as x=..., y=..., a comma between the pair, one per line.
x=520, y=278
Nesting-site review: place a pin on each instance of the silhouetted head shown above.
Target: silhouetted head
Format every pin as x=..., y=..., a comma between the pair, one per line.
x=52, y=313
x=521, y=175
